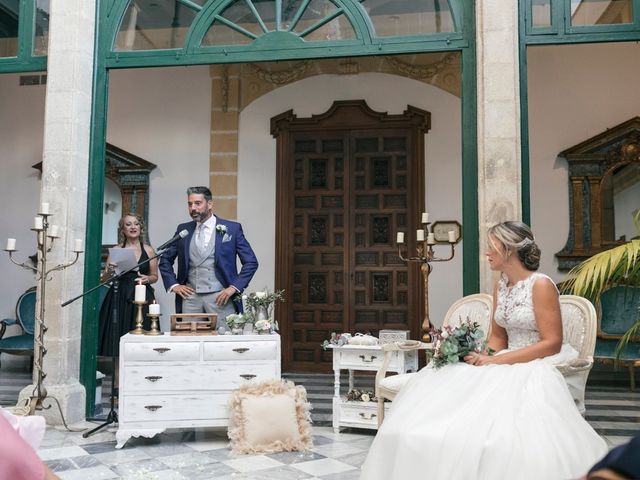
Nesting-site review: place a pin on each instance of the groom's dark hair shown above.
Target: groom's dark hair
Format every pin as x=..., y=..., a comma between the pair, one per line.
x=200, y=191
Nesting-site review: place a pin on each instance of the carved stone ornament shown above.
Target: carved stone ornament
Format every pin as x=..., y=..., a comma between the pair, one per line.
x=281, y=77
x=592, y=165
x=422, y=72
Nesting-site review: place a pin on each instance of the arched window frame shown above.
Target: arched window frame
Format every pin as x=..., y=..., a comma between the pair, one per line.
x=25, y=60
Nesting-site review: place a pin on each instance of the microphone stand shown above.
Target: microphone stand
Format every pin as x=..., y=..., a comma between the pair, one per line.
x=112, y=416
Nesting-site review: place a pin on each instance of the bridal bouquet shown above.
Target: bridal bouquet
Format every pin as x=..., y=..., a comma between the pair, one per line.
x=453, y=343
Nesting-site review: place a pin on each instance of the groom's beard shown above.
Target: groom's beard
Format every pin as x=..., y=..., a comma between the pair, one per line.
x=201, y=217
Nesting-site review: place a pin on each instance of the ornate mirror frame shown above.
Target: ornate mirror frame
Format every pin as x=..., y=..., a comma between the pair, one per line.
x=591, y=165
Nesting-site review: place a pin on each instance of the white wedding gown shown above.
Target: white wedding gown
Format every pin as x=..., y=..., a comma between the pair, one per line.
x=491, y=422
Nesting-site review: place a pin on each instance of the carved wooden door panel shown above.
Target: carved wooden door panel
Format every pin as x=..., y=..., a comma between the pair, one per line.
x=348, y=181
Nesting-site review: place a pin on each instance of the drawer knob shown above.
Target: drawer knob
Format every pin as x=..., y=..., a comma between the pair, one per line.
x=367, y=416
x=248, y=376
x=371, y=358
x=161, y=350
x=153, y=378
x=241, y=350
x=153, y=408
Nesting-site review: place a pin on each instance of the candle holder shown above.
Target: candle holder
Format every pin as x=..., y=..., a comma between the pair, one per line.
x=45, y=241
x=425, y=255
x=155, y=327
x=139, y=330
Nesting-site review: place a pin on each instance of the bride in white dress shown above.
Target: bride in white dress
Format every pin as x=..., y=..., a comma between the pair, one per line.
x=503, y=416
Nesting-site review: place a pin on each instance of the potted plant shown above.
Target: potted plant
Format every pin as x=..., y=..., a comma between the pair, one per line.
x=236, y=322
x=617, y=266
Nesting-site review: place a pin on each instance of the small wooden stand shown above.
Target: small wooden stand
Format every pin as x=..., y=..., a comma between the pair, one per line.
x=181, y=325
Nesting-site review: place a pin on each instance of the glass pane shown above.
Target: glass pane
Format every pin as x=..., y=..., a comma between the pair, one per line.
x=337, y=29
x=9, y=12
x=409, y=17
x=540, y=13
x=601, y=12
x=42, y=28
x=155, y=24
x=220, y=34
x=315, y=11
x=289, y=12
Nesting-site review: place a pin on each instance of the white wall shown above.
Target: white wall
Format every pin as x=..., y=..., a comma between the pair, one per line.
x=314, y=95
x=575, y=92
x=21, y=132
x=163, y=115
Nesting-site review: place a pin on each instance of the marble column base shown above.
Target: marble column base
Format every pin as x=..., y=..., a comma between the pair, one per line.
x=71, y=397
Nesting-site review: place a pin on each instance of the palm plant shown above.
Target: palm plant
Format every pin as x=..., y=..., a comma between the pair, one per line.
x=619, y=265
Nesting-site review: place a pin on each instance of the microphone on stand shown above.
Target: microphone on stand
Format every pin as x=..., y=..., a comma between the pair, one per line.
x=178, y=236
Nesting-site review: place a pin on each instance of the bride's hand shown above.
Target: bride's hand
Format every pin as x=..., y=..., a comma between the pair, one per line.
x=478, y=359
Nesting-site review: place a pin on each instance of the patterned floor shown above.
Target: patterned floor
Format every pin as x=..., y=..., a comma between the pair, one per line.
x=612, y=409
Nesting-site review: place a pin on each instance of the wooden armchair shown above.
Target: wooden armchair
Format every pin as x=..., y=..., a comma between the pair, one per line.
x=618, y=309
x=25, y=318
x=477, y=307
x=578, y=330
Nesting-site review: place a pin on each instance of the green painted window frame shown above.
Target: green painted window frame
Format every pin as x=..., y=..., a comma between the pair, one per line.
x=25, y=61
x=106, y=60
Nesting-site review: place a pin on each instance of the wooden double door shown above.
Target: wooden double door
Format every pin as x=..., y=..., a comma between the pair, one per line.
x=348, y=181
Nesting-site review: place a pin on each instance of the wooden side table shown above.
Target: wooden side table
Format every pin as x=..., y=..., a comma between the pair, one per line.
x=363, y=358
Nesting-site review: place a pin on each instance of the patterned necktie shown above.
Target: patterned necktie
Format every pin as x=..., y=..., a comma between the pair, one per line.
x=200, y=242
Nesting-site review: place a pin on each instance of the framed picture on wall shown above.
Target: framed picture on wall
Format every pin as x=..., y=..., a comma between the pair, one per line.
x=442, y=228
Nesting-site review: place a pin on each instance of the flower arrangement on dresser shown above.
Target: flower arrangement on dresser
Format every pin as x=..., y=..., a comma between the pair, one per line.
x=259, y=310
x=236, y=322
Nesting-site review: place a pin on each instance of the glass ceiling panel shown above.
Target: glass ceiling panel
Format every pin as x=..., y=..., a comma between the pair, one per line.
x=155, y=24
x=393, y=18
x=9, y=13
x=601, y=12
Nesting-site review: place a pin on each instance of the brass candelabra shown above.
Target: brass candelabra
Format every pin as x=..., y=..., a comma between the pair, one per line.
x=425, y=255
x=45, y=235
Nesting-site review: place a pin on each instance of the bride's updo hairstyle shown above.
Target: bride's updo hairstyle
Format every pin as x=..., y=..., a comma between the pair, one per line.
x=517, y=237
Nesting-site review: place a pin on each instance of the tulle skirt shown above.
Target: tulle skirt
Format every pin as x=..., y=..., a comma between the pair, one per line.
x=492, y=422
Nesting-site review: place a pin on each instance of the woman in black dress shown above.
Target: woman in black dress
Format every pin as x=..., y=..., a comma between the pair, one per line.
x=130, y=235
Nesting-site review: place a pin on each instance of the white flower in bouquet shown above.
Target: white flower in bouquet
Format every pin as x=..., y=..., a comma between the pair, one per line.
x=261, y=295
x=262, y=325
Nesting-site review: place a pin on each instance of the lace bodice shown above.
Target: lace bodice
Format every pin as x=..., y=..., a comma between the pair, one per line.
x=514, y=311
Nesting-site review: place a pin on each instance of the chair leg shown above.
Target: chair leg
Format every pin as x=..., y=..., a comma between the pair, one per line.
x=380, y=410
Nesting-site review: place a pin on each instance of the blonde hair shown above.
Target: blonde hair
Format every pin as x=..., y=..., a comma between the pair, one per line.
x=517, y=237
x=122, y=237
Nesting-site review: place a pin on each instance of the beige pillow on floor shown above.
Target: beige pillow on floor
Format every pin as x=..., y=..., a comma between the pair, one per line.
x=267, y=417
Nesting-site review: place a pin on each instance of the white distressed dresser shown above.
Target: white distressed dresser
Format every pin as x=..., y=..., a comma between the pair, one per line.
x=185, y=381
x=368, y=358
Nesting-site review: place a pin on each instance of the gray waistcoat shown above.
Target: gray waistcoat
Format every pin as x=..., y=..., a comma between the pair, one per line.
x=202, y=276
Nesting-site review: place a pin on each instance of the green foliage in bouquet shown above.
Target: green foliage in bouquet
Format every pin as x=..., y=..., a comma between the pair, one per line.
x=452, y=344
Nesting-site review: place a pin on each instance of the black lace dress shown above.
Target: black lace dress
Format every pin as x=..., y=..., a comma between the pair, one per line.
x=108, y=344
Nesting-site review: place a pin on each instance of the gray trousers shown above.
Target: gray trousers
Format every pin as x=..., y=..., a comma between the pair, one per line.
x=206, y=302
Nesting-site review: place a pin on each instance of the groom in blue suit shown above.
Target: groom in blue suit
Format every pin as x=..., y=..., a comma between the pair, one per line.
x=208, y=277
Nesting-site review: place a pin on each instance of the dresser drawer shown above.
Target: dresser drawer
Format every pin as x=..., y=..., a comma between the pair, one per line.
x=361, y=413
x=234, y=351
x=153, y=408
x=163, y=352
x=197, y=377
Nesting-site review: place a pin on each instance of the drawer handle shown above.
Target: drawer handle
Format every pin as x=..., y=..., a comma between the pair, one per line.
x=153, y=408
x=153, y=378
x=368, y=416
x=161, y=350
x=371, y=358
x=248, y=376
x=241, y=350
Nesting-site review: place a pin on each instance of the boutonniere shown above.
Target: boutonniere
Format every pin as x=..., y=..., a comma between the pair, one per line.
x=221, y=229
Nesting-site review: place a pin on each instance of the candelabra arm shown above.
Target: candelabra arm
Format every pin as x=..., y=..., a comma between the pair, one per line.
x=450, y=257
x=62, y=266
x=23, y=265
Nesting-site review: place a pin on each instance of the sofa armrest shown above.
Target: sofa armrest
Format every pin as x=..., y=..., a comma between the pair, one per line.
x=390, y=348
x=4, y=323
x=574, y=366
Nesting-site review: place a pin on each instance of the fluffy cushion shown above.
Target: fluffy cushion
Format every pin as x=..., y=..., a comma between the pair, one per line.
x=272, y=416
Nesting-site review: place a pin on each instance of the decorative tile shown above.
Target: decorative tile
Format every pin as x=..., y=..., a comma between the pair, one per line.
x=251, y=463
x=334, y=450
x=295, y=457
x=140, y=468
x=208, y=471
x=103, y=447
x=95, y=473
x=61, y=452
x=122, y=456
x=60, y=465
x=190, y=459
x=204, y=445
x=323, y=466
x=85, y=461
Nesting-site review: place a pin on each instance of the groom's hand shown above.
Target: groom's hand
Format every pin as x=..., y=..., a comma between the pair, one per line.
x=225, y=295
x=183, y=290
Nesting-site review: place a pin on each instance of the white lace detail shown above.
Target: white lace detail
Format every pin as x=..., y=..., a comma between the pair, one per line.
x=514, y=311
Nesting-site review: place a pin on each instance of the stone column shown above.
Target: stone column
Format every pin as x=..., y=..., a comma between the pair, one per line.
x=64, y=186
x=499, y=174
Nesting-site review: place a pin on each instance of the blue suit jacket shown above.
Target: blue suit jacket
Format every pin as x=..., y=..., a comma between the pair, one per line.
x=230, y=245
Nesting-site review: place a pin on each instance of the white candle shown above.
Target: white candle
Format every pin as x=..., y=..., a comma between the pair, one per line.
x=11, y=245
x=53, y=231
x=452, y=236
x=77, y=245
x=37, y=223
x=425, y=217
x=400, y=238
x=431, y=239
x=420, y=235
x=141, y=293
x=44, y=208
x=154, y=308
